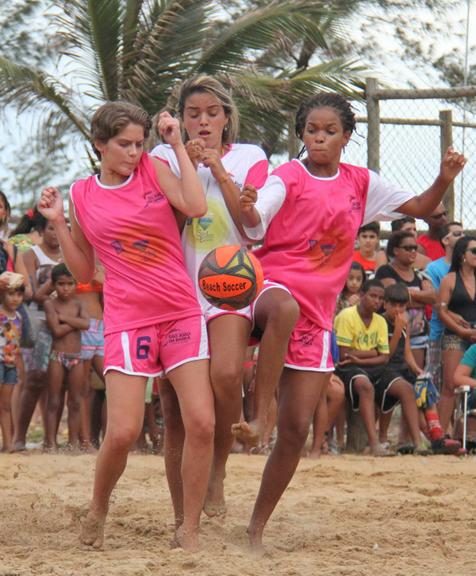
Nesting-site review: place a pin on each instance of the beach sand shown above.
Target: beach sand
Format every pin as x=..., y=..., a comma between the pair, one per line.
x=347, y=515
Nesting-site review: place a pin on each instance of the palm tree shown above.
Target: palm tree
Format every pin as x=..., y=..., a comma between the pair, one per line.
x=138, y=50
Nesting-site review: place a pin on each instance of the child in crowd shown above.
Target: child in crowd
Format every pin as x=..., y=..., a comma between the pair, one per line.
x=10, y=334
x=403, y=366
x=350, y=295
x=362, y=337
x=368, y=238
x=66, y=317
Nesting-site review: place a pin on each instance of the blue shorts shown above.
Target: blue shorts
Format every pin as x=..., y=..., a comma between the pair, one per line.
x=92, y=340
x=8, y=374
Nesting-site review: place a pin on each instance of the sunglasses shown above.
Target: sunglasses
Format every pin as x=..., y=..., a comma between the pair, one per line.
x=409, y=248
x=440, y=215
x=472, y=250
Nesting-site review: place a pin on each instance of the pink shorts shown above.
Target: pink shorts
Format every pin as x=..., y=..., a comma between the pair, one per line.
x=210, y=312
x=309, y=348
x=156, y=350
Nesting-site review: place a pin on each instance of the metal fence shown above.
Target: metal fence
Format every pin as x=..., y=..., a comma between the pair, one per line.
x=402, y=134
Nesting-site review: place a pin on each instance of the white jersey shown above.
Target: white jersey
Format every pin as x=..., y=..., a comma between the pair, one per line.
x=245, y=164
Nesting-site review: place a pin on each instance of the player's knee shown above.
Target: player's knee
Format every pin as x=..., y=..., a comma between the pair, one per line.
x=122, y=439
x=53, y=404
x=226, y=378
x=295, y=433
x=200, y=429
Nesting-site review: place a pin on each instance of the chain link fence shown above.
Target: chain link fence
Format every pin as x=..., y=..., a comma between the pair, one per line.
x=403, y=138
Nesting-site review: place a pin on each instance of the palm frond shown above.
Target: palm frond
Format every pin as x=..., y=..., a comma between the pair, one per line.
x=258, y=29
x=27, y=87
x=92, y=29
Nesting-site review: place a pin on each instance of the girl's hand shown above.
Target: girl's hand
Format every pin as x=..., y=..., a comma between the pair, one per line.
x=169, y=129
x=353, y=299
x=451, y=165
x=195, y=150
x=51, y=204
x=211, y=159
x=248, y=198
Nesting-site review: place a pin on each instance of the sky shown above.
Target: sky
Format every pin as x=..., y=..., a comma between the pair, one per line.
x=390, y=68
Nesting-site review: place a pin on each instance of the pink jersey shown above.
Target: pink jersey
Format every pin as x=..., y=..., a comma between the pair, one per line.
x=135, y=235
x=309, y=243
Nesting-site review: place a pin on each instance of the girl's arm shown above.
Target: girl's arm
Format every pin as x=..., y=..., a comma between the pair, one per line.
x=446, y=289
x=409, y=358
x=79, y=322
x=422, y=205
x=427, y=295
x=185, y=193
x=77, y=252
x=52, y=320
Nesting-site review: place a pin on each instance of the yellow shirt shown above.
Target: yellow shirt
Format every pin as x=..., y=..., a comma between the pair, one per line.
x=351, y=331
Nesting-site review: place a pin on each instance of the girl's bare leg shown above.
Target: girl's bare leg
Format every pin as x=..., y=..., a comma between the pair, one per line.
x=299, y=394
x=228, y=337
x=75, y=389
x=173, y=446
x=125, y=406
x=191, y=382
x=446, y=405
x=276, y=313
x=320, y=424
x=55, y=389
x=6, y=391
x=85, y=404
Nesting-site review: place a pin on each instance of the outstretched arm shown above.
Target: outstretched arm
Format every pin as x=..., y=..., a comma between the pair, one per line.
x=425, y=203
x=186, y=193
x=77, y=252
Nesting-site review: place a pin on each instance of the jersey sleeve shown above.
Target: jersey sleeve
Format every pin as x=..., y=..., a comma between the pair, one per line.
x=382, y=344
x=384, y=199
x=270, y=199
x=258, y=172
x=343, y=328
x=164, y=153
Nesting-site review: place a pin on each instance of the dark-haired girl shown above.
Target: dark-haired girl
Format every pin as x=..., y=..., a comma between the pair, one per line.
x=311, y=210
x=457, y=295
x=402, y=253
x=29, y=230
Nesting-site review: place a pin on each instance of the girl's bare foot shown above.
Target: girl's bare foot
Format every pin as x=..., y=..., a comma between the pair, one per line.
x=246, y=432
x=92, y=529
x=255, y=539
x=214, y=504
x=187, y=539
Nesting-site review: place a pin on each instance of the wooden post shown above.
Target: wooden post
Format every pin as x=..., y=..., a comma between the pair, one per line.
x=293, y=146
x=373, y=128
x=446, y=140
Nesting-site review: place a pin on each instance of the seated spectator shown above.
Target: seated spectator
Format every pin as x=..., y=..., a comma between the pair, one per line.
x=362, y=338
x=406, y=224
x=429, y=244
x=435, y=271
x=402, y=250
x=465, y=375
x=368, y=239
x=406, y=370
x=350, y=295
x=457, y=310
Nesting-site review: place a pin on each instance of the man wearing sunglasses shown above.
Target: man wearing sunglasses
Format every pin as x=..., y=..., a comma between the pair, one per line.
x=449, y=235
x=429, y=243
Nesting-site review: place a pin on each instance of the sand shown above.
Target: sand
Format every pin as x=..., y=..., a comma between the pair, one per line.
x=346, y=515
